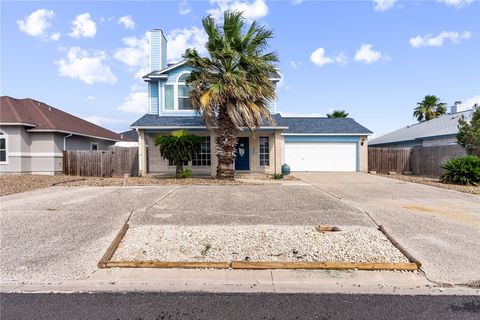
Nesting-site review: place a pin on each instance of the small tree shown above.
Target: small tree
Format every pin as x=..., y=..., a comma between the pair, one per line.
x=179, y=146
x=469, y=133
x=430, y=107
x=338, y=114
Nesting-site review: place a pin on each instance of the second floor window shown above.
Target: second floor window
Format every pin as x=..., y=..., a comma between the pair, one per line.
x=183, y=101
x=176, y=95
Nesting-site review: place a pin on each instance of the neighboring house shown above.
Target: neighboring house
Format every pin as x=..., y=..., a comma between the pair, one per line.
x=305, y=144
x=33, y=136
x=130, y=139
x=441, y=130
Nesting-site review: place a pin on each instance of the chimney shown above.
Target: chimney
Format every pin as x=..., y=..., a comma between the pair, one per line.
x=457, y=107
x=158, y=50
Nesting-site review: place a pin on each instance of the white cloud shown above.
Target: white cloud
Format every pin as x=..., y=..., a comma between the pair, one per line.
x=181, y=39
x=127, y=22
x=297, y=2
x=136, y=53
x=83, y=26
x=440, y=39
x=135, y=102
x=368, y=55
x=90, y=98
x=37, y=22
x=101, y=121
x=184, y=8
x=470, y=102
x=383, y=5
x=55, y=36
x=85, y=66
x=252, y=10
x=319, y=58
x=456, y=3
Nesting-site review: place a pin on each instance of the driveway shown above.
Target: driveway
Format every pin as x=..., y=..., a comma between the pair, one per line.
x=60, y=233
x=439, y=227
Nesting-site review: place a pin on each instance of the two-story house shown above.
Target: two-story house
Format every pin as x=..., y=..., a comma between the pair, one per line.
x=305, y=144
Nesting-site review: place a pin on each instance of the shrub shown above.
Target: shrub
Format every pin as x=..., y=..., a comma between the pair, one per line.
x=462, y=170
x=187, y=173
x=277, y=176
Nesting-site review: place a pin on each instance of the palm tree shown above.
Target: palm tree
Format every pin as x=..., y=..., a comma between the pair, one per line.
x=179, y=146
x=338, y=114
x=231, y=87
x=429, y=108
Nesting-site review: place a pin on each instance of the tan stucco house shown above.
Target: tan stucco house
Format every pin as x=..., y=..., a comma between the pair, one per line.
x=305, y=144
x=34, y=134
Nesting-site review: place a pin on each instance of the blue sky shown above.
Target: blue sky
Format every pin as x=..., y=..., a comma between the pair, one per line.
x=375, y=59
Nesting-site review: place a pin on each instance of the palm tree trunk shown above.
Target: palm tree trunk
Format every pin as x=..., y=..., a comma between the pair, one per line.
x=226, y=140
x=178, y=169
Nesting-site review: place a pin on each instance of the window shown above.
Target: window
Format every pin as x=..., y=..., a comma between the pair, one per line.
x=264, y=151
x=182, y=92
x=203, y=158
x=169, y=97
x=93, y=146
x=3, y=147
x=183, y=100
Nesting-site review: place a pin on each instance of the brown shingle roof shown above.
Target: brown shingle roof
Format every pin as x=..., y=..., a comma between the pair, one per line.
x=44, y=117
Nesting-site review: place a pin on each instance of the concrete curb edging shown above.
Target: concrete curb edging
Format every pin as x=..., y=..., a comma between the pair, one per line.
x=397, y=245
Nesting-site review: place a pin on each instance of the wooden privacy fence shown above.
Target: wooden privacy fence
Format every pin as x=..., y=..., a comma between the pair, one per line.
x=425, y=161
x=117, y=161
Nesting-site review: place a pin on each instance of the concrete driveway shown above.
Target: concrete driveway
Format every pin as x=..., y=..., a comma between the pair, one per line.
x=439, y=227
x=60, y=233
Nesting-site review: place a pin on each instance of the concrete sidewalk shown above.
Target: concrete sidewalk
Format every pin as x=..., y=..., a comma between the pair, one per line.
x=439, y=227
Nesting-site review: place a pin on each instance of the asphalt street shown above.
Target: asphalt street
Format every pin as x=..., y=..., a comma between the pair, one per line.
x=158, y=305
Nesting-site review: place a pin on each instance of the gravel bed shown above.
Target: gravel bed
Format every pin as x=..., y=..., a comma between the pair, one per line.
x=10, y=184
x=429, y=181
x=255, y=243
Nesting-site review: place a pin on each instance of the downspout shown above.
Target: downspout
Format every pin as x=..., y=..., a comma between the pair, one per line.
x=65, y=141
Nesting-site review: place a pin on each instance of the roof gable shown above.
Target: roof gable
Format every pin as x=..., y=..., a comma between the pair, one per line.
x=43, y=117
x=446, y=124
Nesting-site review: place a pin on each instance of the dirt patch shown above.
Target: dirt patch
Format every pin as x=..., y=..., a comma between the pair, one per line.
x=452, y=215
x=429, y=181
x=15, y=183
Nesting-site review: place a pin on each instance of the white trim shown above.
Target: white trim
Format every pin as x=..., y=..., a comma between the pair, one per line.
x=168, y=69
x=35, y=154
x=71, y=132
x=7, y=154
x=92, y=144
x=17, y=124
x=326, y=134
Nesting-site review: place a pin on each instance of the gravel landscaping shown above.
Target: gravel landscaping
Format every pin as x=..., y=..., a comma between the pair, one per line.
x=10, y=184
x=429, y=181
x=255, y=243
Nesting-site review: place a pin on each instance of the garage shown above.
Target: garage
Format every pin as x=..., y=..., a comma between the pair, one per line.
x=321, y=155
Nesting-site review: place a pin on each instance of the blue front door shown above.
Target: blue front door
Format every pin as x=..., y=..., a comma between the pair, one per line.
x=242, y=160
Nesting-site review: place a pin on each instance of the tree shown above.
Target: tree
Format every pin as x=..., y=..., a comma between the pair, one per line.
x=338, y=114
x=231, y=87
x=179, y=146
x=469, y=133
x=429, y=108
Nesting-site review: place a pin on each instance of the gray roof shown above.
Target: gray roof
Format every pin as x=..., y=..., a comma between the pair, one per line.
x=441, y=126
x=296, y=125
x=322, y=125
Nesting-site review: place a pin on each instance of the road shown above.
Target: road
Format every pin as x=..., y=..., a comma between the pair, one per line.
x=157, y=305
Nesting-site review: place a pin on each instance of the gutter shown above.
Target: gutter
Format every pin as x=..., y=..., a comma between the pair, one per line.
x=65, y=141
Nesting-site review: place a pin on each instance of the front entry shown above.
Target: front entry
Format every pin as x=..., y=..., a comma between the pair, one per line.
x=242, y=159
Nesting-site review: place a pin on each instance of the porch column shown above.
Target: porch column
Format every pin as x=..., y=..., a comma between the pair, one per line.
x=142, y=153
x=213, y=154
x=279, y=150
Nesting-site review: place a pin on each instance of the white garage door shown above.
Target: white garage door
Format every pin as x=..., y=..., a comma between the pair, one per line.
x=321, y=156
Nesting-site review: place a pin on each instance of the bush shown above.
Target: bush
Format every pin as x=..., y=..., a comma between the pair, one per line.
x=462, y=170
x=277, y=176
x=187, y=173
